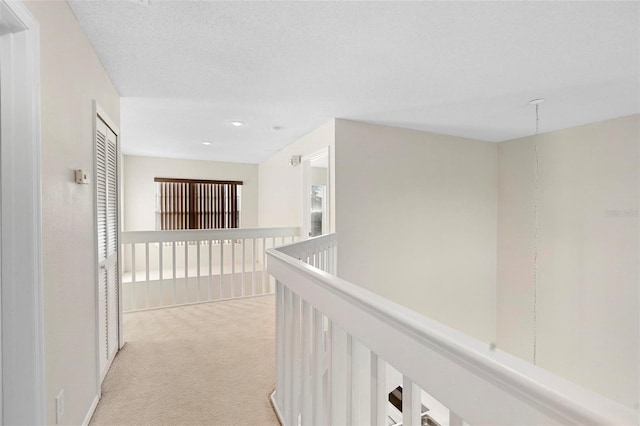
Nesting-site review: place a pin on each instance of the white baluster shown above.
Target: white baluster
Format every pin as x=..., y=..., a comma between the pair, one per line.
x=173, y=264
x=288, y=358
x=253, y=276
x=221, y=294
x=319, y=368
x=307, y=353
x=325, y=259
x=339, y=375
x=185, y=299
x=264, y=265
x=146, y=274
x=134, y=306
x=210, y=286
x=279, y=345
x=296, y=359
x=160, y=274
x=379, y=395
x=244, y=292
x=411, y=404
x=233, y=268
x=360, y=383
x=198, y=275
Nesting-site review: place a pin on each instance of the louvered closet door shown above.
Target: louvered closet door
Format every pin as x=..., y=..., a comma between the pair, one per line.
x=107, y=215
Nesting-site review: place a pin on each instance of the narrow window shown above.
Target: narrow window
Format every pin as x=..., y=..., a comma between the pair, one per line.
x=197, y=204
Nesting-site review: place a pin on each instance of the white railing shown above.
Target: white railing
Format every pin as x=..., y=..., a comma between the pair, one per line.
x=341, y=349
x=171, y=268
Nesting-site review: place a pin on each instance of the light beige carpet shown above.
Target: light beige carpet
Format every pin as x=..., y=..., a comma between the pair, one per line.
x=210, y=364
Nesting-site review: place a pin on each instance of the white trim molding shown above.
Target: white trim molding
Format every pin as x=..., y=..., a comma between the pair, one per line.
x=276, y=409
x=23, y=377
x=92, y=410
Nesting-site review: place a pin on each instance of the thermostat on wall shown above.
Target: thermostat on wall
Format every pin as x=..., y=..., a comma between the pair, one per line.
x=81, y=177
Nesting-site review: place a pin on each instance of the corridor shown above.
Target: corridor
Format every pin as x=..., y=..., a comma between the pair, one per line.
x=207, y=364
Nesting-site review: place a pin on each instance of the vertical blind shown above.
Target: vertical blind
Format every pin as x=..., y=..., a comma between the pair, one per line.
x=197, y=204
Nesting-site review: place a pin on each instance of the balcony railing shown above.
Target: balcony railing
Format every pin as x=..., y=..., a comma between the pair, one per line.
x=340, y=351
x=171, y=268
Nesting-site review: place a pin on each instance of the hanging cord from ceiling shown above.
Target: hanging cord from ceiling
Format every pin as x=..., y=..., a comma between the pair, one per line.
x=536, y=103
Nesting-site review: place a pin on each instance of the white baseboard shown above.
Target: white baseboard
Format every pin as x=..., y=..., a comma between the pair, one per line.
x=92, y=409
x=276, y=409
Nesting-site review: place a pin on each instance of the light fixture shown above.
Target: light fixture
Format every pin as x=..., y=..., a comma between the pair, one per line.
x=295, y=160
x=237, y=123
x=276, y=128
x=206, y=143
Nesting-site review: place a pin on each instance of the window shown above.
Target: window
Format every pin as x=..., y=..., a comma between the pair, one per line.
x=197, y=204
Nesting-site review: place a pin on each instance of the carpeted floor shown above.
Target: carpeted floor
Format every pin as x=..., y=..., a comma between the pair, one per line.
x=209, y=364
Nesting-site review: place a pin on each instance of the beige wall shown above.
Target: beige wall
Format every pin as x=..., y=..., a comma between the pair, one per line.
x=140, y=190
x=280, y=190
x=416, y=219
x=587, y=291
x=71, y=77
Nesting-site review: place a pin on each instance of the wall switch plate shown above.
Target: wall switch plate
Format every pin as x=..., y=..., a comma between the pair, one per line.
x=59, y=406
x=82, y=177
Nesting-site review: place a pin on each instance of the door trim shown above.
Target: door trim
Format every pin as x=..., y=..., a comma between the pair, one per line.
x=22, y=312
x=306, y=183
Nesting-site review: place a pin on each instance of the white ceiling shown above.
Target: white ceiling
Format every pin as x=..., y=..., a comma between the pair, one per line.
x=186, y=69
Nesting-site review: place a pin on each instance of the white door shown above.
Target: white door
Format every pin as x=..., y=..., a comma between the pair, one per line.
x=107, y=232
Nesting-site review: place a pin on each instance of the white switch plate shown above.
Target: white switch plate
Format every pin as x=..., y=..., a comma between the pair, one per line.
x=59, y=406
x=82, y=177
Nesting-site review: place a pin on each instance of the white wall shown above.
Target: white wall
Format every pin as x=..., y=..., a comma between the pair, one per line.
x=71, y=77
x=587, y=291
x=416, y=219
x=319, y=175
x=280, y=190
x=140, y=189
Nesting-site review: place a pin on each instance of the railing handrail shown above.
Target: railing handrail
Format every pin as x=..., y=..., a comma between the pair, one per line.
x=557, y=397
x=130, y=237
x=297, y=248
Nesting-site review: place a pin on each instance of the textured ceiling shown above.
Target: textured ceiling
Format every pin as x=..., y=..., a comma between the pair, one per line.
x=186, y=69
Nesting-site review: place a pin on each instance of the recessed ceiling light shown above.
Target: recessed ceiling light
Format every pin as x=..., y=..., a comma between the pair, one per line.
x=206, y=143
x=237, y=123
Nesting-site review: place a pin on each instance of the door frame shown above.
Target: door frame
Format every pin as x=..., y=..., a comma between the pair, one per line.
x=98, y=111
x=306, y=183
x=22, y=305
